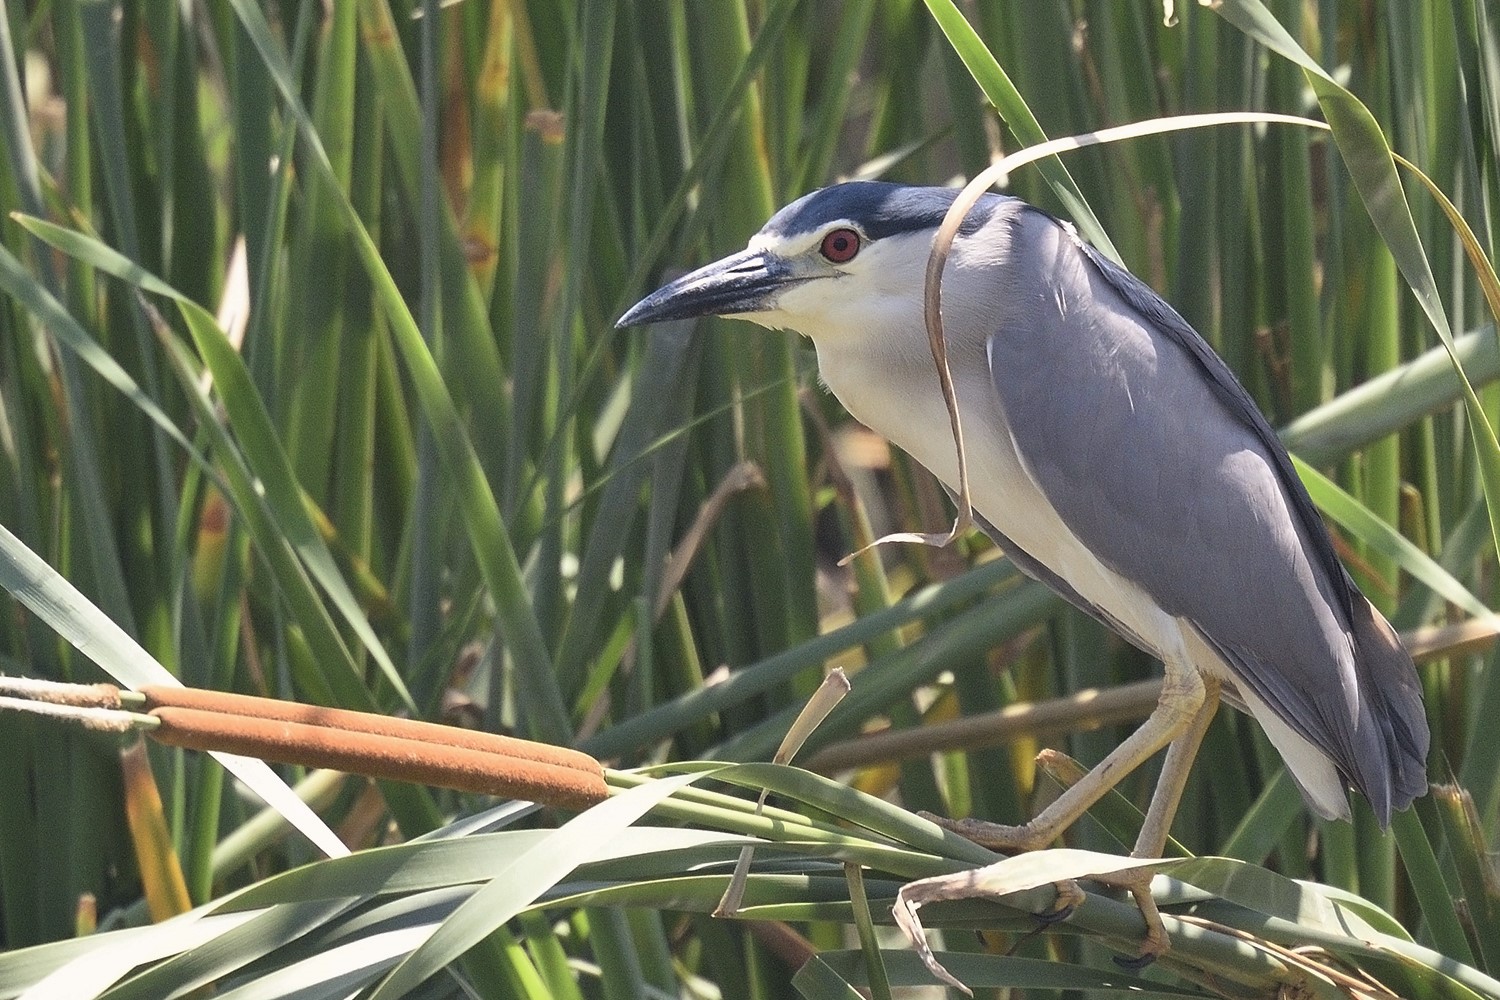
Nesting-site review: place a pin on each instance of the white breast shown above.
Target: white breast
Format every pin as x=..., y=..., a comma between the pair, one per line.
x=912, y=415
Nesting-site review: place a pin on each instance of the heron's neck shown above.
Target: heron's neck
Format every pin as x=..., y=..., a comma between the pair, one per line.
x=890, y=385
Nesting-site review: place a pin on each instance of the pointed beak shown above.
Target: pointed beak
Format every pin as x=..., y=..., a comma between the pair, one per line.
x=747, y=282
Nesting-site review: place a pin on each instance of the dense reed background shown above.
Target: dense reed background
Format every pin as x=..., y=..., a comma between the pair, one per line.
x=450, y=488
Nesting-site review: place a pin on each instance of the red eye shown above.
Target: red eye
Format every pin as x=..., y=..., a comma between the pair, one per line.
x=840, y=246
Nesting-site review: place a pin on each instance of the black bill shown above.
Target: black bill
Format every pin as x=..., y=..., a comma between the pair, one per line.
x=744, y=283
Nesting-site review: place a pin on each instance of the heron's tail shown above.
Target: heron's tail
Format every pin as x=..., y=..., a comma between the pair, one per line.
x=1391, y=768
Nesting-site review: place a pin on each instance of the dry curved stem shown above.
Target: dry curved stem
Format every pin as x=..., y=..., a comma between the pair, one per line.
x=932, y=314
x=1018, y=874
x=744, y=475
x=942, y=244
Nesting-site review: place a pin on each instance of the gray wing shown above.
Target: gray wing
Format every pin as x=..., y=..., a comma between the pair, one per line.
x=1042, y=573
x=1156, y=457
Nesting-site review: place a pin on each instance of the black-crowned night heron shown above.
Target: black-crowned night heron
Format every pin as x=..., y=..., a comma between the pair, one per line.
x=1115, y=458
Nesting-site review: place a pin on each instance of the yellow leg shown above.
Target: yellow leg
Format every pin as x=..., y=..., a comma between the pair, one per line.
x=1154, y=831
x=1183, y=695
x=1174, y=774
x=1183, y=712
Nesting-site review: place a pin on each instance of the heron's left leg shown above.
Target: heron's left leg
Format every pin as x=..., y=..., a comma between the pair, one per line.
x=1154, y=831
x=1185, y=708
x=1181, y=753
x=1182, y=696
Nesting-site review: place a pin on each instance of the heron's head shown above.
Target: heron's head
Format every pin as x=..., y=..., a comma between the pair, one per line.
x=844, y=261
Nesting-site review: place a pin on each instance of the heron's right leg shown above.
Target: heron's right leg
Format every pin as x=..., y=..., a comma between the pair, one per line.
x=1154, y=831
x=1183, y=695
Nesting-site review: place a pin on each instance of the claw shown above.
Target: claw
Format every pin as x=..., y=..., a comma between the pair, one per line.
x=1156, y=943
x=1069, y=898
x=1137, y=963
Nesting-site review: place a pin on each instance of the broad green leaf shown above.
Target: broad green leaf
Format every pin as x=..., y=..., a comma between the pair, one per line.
x=1371, y=530
x=526, y=876
x=57, y=602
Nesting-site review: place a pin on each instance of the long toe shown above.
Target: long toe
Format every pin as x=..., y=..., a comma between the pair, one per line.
x=994, y=836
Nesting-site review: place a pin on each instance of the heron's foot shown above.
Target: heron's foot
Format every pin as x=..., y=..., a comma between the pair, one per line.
x=994, y=836
x=1156, y=943
x=1069, y=898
